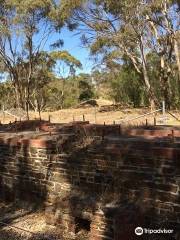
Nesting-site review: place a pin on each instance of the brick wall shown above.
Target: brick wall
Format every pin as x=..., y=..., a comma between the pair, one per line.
x=110, y=182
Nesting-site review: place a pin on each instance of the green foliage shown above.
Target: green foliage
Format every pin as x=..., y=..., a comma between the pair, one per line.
x=67, y=7
x=135, y=42
x=7, y=98
x=66, y=57
x=86, y=91
x=114, y=30
x=126, y=87
x=61, y=93
x=68, y=92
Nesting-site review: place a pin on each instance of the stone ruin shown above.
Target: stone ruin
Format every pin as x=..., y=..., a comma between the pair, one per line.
x=107, y=180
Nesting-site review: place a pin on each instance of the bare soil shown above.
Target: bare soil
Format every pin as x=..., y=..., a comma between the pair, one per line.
x=27, y=224
x=93, y=115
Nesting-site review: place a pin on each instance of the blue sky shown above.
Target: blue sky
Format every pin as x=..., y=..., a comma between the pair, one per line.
x=72, y=44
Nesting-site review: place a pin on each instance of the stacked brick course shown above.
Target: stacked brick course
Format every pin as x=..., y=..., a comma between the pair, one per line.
x=109, y=182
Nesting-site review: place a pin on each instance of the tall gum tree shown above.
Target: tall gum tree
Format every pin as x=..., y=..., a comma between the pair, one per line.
x=65, y=68
x=163, y=17
x=24, y=30
x=123, y=27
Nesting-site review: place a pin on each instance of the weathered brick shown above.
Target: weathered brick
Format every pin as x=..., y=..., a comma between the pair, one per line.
x=143, y=172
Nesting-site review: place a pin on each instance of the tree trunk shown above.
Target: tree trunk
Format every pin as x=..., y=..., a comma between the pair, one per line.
x=17, y=104
x=62, y=100
x=26, y=103
x=39, y=111
x=166, y=91
x=150, y=93
x=167, y=98
x=27, y=109
x=176, y=51
x=18, y=96
x=164, y=80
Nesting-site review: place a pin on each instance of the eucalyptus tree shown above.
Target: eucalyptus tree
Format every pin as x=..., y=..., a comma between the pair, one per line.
x=24, y=30
x=133, y=29
x=65, y=68
x=49, y=67
x=42, y=75
x=164, y=21
x=6, y=95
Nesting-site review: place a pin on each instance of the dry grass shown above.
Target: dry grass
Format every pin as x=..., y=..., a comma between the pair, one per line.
x=31, y=221
x=93, y=115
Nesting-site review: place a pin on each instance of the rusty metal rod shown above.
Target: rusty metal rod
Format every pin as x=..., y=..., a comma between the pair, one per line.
x=143, y=115
x=173, y=116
